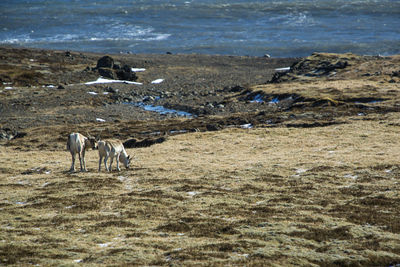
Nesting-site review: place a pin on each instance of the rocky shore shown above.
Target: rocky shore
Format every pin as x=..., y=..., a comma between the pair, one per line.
x=173, y=93
x=58, y=88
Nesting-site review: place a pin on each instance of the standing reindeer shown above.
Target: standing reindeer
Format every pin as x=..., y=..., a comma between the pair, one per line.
x=113, y=149
x=78, y=143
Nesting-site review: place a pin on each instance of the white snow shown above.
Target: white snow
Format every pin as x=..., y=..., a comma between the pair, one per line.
x=102, y=80
x=283, y=69
x=157, y=81
x=138, y=69
x=246, y=126
x=104, y=245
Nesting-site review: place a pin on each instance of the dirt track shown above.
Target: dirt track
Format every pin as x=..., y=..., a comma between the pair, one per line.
x=302, y=170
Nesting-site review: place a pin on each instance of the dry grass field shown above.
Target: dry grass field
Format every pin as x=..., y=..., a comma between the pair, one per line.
x=312, y=180
x=271, y=196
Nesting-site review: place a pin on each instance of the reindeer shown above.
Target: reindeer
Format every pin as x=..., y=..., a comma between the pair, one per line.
x=78, y=143
x=111, y=149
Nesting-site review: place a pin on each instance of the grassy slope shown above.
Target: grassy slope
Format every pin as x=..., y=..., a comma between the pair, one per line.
x=277, y=196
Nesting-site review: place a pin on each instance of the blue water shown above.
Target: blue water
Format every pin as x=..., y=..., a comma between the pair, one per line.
x=161, y=110
x=279, y=28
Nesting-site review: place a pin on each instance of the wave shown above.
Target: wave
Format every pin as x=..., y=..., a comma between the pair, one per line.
x=114, y=33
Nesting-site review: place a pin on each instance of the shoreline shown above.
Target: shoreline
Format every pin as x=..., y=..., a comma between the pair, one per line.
x=121, y=53
x=63, y=82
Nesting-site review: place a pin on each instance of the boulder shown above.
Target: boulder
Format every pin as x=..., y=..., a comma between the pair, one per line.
x=108, y=69
x=105, y=62
x=126, y=73
x=9, y=134
x=106, y=73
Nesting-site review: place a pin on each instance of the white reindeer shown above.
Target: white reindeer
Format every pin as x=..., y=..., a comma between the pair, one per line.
x=78, y=143
x=111, y=149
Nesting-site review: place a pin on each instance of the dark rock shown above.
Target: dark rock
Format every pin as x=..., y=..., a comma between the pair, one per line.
x=19, y=135
x=111, y=90
x=133, y=143
x=106, y=73
x=5, y=78
x=237, y=89
x=116, y=97
x=128, y=99
x=105, y=62
x=35, y=170
x=148, y=99
x=312, y=125
x=126, y=73
x=316, y=65
x=9, y=134
x=60, y=87
x=213, y=127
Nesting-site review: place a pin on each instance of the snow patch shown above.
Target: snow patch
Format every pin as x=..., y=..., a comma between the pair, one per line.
x=102, y=80
x=157, y=81
x=138, y=69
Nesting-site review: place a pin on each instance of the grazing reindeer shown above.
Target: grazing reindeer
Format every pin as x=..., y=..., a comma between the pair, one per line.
x=78, y=143
x=111, y=149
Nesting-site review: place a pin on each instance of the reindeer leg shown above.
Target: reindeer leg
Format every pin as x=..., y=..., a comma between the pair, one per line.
x=80, y=160
x=111, y=162
x=72, y=169
x=84, y=161
x=117, y=159
x=100, y=163
x=105, y=162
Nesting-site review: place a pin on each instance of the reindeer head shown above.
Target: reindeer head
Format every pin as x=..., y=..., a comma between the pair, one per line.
x=126, y=160
x=91, y=142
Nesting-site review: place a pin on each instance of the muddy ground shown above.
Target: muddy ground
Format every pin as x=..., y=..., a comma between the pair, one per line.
x=270, y=165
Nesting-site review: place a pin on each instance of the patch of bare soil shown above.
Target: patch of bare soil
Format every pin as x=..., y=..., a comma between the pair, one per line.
x=287, y=167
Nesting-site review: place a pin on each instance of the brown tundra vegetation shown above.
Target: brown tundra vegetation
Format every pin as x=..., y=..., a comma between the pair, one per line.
x=272, y=168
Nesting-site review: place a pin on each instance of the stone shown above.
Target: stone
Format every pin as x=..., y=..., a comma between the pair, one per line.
x=105, y=62
x=106, y=73
x=148, y=98
x=126, y=73
x=109, y=89
x=213, y=127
